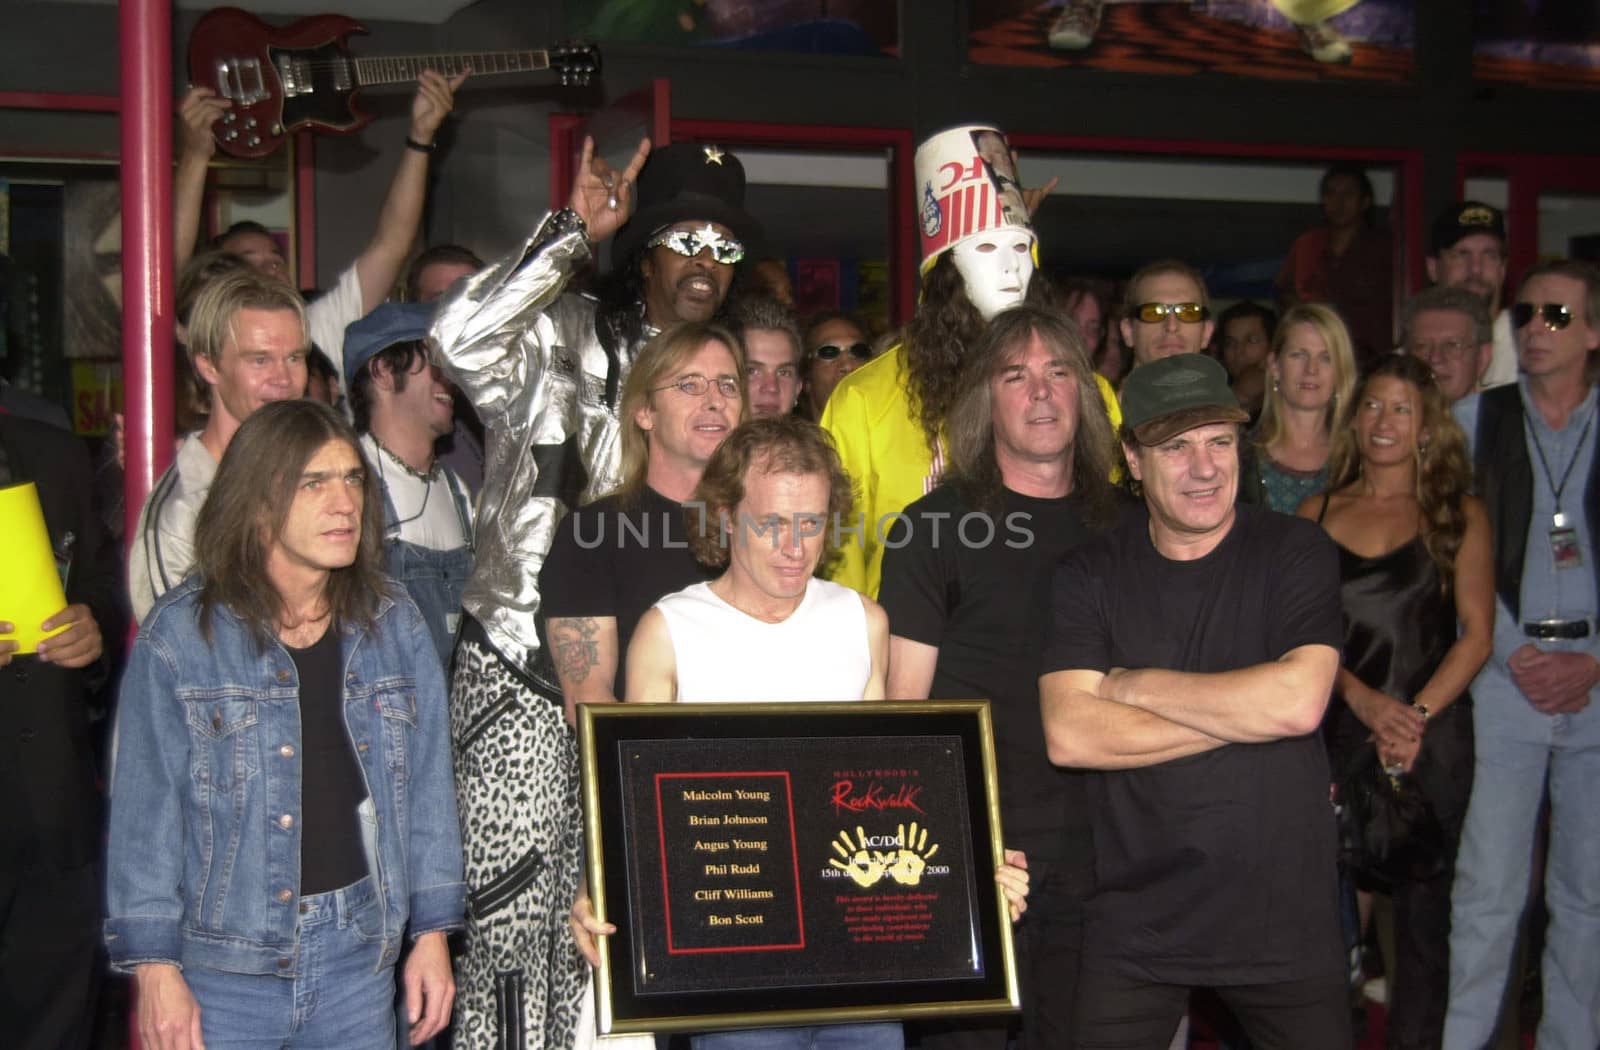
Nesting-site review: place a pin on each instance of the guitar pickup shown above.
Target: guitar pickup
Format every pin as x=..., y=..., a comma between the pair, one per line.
x=295, y=75
x=239, y=79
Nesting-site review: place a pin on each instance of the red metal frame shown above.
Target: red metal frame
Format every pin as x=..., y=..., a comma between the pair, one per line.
x=1408, y=162
x=566, y=128
x=305, y=209
x=902, y=229
x=47, y=100
x=1527, y=176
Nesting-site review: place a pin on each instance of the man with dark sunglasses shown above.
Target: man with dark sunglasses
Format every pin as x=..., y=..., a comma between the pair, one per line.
x=545, y=370
x=836, y=345
x=1167, y=311
x=1538, y=472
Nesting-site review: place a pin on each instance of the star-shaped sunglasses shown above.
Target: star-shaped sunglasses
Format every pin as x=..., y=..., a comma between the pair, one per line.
x=689, y=243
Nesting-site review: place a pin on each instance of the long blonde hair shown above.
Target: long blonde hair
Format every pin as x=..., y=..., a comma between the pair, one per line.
x=1325, y=321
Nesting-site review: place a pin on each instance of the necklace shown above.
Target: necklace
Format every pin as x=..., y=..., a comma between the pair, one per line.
x=429, y=477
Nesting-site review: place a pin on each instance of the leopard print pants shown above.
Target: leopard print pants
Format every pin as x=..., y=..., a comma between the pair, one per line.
x=520, y=980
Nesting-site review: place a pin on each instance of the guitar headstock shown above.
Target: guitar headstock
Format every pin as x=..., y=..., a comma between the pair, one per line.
x=575, y=63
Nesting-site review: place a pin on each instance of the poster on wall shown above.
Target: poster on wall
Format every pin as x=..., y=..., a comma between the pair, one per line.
x=1271, y=39
x=91, y=220
x=1549, y=44
x=826, y=27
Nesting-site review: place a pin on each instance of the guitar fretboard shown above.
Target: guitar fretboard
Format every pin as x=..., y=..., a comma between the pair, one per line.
x=405, y=68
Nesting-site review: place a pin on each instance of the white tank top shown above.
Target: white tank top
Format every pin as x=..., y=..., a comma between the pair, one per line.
x=819, y=653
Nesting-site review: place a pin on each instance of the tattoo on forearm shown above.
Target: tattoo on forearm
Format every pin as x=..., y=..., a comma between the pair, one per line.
x=576, y=650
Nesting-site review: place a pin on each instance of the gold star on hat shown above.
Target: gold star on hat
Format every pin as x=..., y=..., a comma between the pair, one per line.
x=713, y=155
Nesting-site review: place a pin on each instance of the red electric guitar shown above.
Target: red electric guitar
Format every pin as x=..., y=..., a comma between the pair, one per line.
x=282, y=79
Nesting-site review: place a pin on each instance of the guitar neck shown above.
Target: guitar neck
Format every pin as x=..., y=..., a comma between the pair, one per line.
x=406, y=68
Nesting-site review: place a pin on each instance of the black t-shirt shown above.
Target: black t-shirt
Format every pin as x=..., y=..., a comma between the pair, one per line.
x=331, y=785
x=1217, y=868
x=617, y=557
x=978, y=589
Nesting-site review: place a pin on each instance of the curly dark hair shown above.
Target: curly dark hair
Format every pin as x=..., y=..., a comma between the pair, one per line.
x=1443, y=469
x=774, y=445
x=945, y=326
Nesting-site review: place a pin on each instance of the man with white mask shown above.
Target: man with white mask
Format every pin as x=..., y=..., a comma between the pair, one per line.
x=978, y=257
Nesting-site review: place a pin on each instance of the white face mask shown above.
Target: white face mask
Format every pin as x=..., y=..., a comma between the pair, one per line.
x=996, y=267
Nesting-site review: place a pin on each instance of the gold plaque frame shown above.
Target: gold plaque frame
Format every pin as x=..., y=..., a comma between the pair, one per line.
x=854, y=906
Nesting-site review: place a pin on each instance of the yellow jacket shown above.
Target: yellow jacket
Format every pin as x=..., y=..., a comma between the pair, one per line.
x=884, y=450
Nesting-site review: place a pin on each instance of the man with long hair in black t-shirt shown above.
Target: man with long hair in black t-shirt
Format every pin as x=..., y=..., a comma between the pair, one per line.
x=1189, y=660
x=966, y=578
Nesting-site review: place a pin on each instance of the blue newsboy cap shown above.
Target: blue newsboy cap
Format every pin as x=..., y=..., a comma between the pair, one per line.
x=389, y=324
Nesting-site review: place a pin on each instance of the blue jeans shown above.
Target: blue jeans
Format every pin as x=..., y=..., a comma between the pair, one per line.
x=1517, y=746
x=882, y=1035
x=342, y=999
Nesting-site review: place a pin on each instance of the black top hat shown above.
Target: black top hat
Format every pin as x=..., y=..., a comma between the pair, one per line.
x=682, y=181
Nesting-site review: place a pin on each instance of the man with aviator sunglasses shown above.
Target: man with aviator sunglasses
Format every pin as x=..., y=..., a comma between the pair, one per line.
x=544, y=369
x=1534, y=720
x=1167, y=311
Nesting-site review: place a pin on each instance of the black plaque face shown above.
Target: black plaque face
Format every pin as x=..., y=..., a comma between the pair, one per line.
x=789, y=863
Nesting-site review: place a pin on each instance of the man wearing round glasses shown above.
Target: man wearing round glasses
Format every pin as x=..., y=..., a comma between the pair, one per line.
x=545, y=371
x=1166, y=311
x=1449, y=328
x=836, y=345
x=1536, y=727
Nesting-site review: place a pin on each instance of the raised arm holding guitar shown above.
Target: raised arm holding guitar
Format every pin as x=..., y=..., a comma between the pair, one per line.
x=380, y=261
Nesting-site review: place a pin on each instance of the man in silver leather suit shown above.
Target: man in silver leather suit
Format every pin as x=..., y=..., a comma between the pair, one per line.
x=543, y=368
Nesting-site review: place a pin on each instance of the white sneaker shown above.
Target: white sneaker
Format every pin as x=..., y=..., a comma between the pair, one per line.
x=1074, y=28
x=1323, y=43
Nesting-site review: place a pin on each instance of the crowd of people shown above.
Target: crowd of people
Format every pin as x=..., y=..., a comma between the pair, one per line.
x=1233, y=566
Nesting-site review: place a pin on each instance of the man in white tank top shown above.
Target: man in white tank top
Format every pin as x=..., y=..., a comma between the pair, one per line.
x=754, y=633
x=769, y=629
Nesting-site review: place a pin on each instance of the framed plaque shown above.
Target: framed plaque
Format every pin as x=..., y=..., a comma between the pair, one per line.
x=774, y=864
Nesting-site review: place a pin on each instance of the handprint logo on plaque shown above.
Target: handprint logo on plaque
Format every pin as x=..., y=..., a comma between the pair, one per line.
x=905, y=860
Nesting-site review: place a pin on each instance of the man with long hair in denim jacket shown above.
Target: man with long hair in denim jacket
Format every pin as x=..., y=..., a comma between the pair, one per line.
x=282, y=808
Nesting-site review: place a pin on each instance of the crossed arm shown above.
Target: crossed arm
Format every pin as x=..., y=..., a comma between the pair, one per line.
x=1127, y=719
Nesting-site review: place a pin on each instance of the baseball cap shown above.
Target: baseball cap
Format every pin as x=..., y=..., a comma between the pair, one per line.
x=1167, y=396
x=385, y=326
x=1464, y=220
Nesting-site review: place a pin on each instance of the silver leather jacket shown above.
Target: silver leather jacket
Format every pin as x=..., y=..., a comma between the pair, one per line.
x=528, y=358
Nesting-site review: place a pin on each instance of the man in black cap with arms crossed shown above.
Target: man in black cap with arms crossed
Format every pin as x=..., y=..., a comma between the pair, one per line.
x=1189, y=660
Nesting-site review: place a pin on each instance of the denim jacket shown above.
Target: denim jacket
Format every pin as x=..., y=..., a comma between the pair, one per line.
x=204, y=855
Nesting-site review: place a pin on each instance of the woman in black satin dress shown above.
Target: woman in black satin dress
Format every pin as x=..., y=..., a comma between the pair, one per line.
x=1418, y=593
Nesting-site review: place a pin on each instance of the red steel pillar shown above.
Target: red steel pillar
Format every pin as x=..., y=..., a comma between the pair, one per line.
x=147, y=278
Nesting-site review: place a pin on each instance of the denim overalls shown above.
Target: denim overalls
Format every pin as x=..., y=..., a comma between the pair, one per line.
x=433, y=578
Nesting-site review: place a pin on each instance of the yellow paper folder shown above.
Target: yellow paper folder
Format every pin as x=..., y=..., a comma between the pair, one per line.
x=30, y=586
